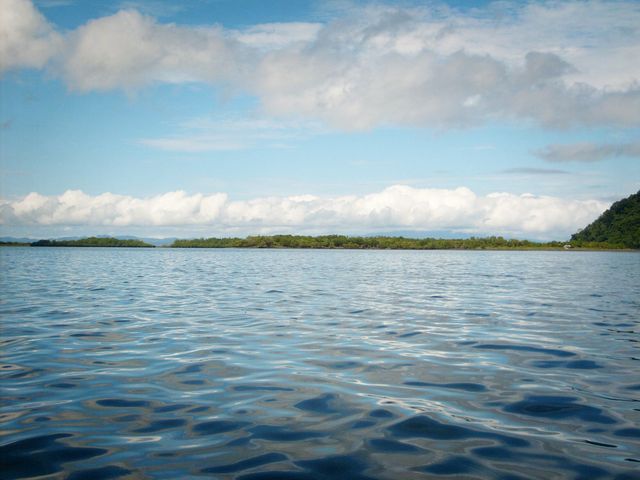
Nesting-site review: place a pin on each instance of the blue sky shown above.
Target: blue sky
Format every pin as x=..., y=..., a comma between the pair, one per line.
x=239, y=117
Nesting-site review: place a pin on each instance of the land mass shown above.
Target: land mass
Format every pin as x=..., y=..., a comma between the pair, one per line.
x=349, y=242
x=333, y=242
x=619, y=226
x=92, y=242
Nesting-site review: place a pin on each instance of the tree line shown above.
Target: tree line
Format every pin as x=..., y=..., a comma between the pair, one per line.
x=339, y=242
x=92, y=242
x=349, y=242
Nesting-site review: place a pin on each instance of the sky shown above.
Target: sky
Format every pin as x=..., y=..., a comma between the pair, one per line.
x=237, y=117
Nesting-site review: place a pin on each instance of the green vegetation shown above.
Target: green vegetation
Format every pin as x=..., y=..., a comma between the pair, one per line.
x=91, y=242
x=342, y=241
x=618, y=227
x=14, y=244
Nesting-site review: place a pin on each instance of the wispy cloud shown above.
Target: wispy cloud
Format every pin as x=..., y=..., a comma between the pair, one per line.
x=278, y=35
x=156, y=8
x=587, y=152
x=534, y=171
x=396, y=207
x=54, y=3
x=220, y=134
x=194, y=144
x=557, y=64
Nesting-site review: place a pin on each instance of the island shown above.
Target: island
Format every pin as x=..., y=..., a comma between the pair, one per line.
x=93, y=242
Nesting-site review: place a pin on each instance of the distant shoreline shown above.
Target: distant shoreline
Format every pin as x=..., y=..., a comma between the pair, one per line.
x=508, y=249
x=335, y=242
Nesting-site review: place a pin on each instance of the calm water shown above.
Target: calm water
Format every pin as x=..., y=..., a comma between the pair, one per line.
x=292, y=364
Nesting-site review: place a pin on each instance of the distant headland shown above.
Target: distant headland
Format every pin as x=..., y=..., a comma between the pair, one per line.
x=619, y=225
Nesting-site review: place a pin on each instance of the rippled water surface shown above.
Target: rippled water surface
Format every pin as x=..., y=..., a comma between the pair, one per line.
x=295, y=364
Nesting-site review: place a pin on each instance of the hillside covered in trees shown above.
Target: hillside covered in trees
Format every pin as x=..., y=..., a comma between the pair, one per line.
x=91, y=242
x=618, y=227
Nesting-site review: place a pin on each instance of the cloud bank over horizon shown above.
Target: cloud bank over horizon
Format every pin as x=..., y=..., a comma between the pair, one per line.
x=398, y=207
x=553, y=64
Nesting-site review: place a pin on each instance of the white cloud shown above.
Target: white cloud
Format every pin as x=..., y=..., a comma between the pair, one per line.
x=27, y=40
x=587, y=152
x=558, y=64
x=77, y=208
x=129, y=50
x=397, y=207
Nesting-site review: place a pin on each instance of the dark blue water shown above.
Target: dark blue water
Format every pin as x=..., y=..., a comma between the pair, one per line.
x=293, y=364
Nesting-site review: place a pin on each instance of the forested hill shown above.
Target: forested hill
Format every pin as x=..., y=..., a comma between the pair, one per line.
x=620, y=225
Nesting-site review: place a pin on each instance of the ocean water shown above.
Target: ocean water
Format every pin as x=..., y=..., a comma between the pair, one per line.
x=295, y=364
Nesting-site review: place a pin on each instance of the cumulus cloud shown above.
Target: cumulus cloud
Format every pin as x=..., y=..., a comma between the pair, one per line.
x=397, y=207
x=77, y=208
x=557, y=64
x=27, y=40
x=130, y=50
x=587, y=152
